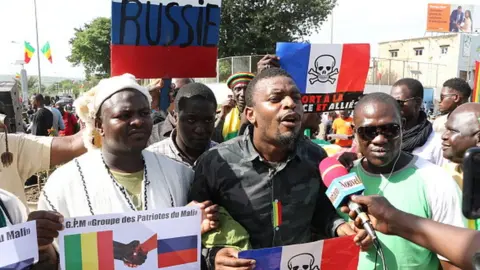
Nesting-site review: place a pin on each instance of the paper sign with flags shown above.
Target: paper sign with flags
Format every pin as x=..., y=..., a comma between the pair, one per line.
x=331, y=254
x=476, y=85
x=158, y=239
x=165, y=39
x=330, y=76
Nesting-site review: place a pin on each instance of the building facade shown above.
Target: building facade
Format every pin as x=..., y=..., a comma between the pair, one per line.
x=432, y=59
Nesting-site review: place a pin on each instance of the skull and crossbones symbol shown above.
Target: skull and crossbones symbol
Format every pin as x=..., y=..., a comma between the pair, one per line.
x=304, y=261
x=324, y=69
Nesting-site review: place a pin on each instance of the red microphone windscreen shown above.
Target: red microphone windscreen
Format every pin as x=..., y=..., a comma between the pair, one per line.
x=330, y=169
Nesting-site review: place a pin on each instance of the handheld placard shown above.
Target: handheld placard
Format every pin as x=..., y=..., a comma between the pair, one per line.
x=341, y=186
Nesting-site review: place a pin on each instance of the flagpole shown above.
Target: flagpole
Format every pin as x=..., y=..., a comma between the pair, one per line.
x=38, y=49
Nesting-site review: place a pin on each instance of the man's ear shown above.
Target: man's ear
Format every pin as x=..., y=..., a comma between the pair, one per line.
x=175, y=117
x=404, y=122
x=250, y=115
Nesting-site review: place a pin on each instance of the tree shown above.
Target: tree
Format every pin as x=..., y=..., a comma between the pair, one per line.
x=254, y=26
x=32, y=84
x=91, y=47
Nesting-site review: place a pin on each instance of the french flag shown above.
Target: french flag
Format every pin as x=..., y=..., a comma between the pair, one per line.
x=326, y=68
x=332, y=254
x=179, y=251
x=165, y=39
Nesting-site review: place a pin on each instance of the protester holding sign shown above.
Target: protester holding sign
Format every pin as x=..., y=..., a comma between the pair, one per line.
x=117, y=175
x=268, y=179
x=14, y=212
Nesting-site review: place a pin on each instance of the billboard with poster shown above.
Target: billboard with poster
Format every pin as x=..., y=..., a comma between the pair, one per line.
x=454, y=18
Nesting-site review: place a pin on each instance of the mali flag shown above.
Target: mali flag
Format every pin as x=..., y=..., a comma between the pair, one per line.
x=476, y=86
x=29, y=51
x=47, y=51
x=89, y=251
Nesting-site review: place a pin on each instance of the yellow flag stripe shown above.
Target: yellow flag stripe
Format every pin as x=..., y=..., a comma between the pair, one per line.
x=89, y=251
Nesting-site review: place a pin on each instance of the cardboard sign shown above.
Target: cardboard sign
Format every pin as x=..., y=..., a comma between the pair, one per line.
x=165, y=38
x=18, y=245
x=331, y=254
x=168, y=238
x=330, y=76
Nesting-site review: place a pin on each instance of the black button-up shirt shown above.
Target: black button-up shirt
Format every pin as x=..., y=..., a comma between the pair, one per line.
x=234, y=176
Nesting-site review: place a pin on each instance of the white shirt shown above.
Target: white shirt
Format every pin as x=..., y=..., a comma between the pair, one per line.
x=439, y=124
x=432, y=150
x=15, y=208
x=31, y=154
x=66, y=191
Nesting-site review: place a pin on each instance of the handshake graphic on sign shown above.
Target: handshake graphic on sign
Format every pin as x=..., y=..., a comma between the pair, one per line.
x=134, y=253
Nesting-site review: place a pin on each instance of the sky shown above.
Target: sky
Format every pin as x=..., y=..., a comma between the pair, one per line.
x=354, y=21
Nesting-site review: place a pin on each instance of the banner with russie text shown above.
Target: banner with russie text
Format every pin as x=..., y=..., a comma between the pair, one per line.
x=332, y=254
x=330, y=76
x=160, y=239
x=165, y=38
x=18, y=246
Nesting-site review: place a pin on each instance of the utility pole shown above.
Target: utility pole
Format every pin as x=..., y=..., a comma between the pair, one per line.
x=38, y=49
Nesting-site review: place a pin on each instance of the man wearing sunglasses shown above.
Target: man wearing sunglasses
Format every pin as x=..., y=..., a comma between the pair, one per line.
x=455, y=92
x=418, y=137
x=409, y=182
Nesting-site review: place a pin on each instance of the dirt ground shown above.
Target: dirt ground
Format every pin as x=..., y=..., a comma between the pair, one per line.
x=32, y=193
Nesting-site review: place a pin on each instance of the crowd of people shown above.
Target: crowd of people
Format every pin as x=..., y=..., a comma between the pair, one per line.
x=247, y=158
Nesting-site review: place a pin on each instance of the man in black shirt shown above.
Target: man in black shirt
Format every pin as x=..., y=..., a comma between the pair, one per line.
x=43, y=119
x=268, y=179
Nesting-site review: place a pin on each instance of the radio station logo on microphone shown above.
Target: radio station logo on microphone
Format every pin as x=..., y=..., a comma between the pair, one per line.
x=334, y=195
x=350, y=182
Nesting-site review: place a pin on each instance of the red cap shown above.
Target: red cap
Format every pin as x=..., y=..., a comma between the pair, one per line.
x=330, y=169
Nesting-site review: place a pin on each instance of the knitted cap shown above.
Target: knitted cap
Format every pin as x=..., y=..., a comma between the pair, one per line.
x=89, y=103
x=240, y=77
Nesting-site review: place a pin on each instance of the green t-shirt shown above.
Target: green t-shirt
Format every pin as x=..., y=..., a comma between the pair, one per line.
x=132, y=182
x=422, y=189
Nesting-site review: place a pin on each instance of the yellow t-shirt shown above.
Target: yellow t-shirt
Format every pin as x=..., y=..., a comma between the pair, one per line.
x=454, y=170
x=343, y=127
x=132, y=182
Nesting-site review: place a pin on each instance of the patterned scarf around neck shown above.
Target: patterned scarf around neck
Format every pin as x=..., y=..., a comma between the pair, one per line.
x=418, y=135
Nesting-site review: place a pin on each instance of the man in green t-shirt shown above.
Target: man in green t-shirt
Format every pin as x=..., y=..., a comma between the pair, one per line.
x=409, y=182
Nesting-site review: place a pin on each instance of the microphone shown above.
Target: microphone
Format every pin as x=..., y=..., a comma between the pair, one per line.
x=341, y=186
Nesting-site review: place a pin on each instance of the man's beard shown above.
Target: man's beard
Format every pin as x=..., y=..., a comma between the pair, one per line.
x=288, y=139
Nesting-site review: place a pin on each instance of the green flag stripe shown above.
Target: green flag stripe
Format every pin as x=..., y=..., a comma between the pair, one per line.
x=46, y=47
x=73, y=252
x=29, y=47
x=231, y=135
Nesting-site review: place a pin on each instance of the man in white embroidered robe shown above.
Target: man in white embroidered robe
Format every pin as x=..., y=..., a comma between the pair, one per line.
x=117, y=174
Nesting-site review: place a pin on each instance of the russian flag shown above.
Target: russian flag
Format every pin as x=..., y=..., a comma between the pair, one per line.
x=332, y=254
x=165, y=39
x=178, y=251
x=326, y=68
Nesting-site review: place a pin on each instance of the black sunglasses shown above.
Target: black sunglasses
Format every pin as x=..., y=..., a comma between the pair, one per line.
x=402, y=102
x=369, y=133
